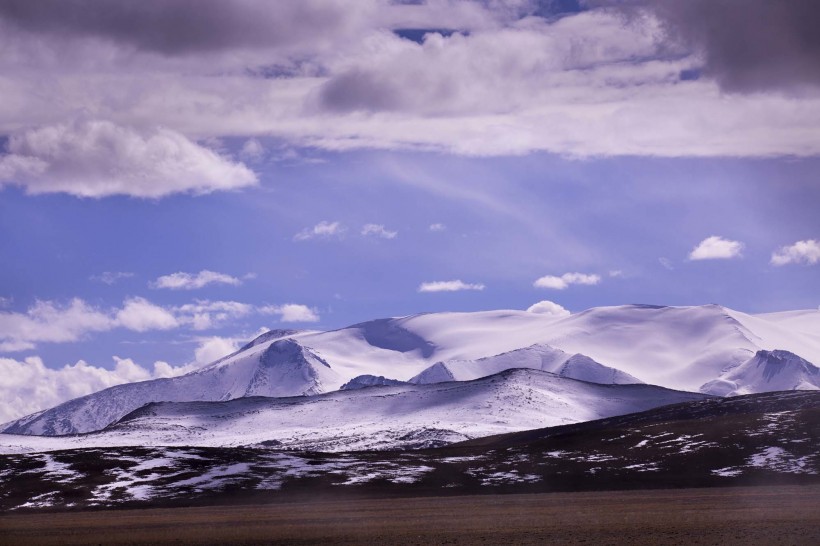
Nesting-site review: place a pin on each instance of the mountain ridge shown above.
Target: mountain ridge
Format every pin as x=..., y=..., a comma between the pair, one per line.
x=406, y=416
x=683, y=348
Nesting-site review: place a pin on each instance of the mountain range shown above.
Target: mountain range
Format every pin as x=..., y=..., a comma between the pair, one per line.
x=435, y=378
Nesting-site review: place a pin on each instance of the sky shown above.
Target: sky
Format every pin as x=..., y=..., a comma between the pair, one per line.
x=178, y=176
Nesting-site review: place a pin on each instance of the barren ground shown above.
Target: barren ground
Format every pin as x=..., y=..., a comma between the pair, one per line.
x=746, y=515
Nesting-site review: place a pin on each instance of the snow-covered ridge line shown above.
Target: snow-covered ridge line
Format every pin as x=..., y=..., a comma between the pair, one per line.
x=402, y=416
x=685, y=348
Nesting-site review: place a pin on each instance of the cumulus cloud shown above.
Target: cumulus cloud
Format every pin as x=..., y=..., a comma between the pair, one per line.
x=802, y=252
x=140, y=315
x=99, y=158
x=437, y=227
x=449, y=286
x=214, y=348
x=716, y=248
x=322, y=230
x=565, y=280
x=47, y=321
x=550, y=308
x=52, y=322
x=292, y=312
x=207, y=314
x=378, y=230
x=28, y=386
x=193, y=281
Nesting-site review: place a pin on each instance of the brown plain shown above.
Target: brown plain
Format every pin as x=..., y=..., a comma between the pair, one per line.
x=747, y=515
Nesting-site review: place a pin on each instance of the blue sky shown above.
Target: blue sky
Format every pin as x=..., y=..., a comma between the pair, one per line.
x=311, y=167
x=505, y=223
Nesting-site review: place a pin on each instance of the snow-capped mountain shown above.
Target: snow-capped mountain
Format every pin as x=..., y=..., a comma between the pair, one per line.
x=684, y=348
x=385, y=417
x=767, y=371
x=537, y=357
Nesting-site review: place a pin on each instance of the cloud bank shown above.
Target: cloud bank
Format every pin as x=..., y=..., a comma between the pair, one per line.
x=52, y=322
x=28, y=385
x=504, y=79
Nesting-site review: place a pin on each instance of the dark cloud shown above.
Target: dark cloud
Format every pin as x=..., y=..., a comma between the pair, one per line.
x=180, y=26
x=359, y=90
x=748, y=45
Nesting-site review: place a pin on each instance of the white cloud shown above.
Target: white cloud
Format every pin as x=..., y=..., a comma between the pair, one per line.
x=322, y=230
x=208, y=350
x=140, y=315
x=111, y=277
x=47, y=321
x=716, y=248
x=805, y=252
x=437, y=227
x=378, y=230
x=100, y=158
x=190, y=281
x=50, y=322
x=27, y=386
x=565, y=280
x=207, y=314
x=214, y=348
x=292, y=312
x=546, y=307
x=448, y=286
x=592, y=83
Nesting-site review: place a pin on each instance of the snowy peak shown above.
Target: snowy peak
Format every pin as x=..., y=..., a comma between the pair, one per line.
x=270, y=335
x=286, y=368
x=439, y=372
x=582, y=367
x=775, y=363
x=537, y=357
x=776, y=370
x=279, y=368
